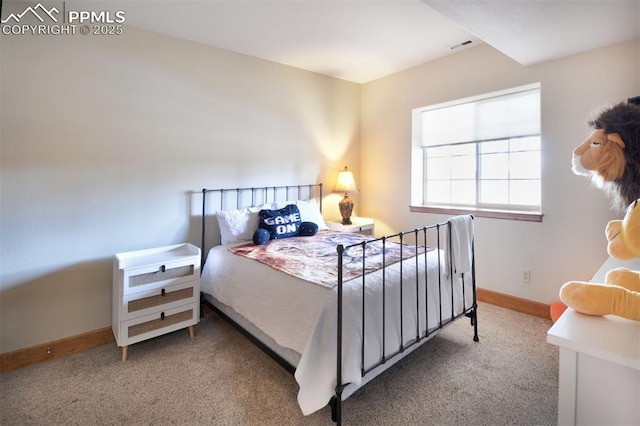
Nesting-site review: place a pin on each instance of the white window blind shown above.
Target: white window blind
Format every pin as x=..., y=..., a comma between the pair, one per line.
x=510, y=115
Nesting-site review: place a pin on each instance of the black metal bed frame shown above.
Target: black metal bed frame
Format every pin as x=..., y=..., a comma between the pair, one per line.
x=420, y=234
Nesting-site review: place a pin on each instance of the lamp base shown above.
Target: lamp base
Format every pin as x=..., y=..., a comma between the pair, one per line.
x=346, y=207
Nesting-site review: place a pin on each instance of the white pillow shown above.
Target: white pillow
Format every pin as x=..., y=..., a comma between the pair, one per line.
x=310, y=212
x=238, y=225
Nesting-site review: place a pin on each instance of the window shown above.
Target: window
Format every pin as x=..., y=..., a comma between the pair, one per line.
x=479, y=154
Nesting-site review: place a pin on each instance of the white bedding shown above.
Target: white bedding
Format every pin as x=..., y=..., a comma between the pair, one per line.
x=301, y=316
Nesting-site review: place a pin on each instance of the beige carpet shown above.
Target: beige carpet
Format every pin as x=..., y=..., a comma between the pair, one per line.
x=509, y=378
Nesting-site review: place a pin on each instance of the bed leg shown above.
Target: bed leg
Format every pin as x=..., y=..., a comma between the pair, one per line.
x=473, y=315
x=332, y=404
x=474, y=322
x=336, y=410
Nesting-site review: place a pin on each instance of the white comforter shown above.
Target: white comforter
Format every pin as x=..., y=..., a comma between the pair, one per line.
x=302, y=316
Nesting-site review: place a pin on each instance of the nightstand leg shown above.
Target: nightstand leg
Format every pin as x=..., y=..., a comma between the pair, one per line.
x=124, y=353
x=191, y=331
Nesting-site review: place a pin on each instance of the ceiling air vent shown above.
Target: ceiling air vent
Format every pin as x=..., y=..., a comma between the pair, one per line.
x=459, y=45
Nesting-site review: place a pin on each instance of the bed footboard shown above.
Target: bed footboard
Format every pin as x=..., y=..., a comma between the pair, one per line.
x=452, y=241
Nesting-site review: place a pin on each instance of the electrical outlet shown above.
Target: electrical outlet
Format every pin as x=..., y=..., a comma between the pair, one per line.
x=526, y=276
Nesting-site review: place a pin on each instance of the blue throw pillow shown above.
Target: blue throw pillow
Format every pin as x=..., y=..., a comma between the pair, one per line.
x=281, y=223
x=261, y=237
x=307, y=229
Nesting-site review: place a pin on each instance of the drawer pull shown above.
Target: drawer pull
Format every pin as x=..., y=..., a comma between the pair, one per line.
x=162, y=315
x=163, y=292
x=163, y=268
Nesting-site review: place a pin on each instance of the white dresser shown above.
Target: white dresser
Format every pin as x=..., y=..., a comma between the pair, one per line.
x=599, y=379
x=155, y=291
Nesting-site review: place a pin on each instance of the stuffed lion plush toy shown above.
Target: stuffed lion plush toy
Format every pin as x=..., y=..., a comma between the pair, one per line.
x=610, y=156
x=620, y=294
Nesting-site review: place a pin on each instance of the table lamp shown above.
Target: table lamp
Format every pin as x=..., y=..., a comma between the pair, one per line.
x=347, y=184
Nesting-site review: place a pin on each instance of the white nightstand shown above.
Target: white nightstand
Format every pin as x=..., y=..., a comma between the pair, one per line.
x=362, y=225
x=155, y=291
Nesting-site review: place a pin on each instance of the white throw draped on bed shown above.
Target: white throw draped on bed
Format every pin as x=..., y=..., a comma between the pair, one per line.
x=461, y=238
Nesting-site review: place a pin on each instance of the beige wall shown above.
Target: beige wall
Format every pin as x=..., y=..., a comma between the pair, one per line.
x=569, y=244
x=104, y=139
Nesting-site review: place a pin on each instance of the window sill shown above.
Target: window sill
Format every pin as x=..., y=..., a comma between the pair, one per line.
x=493, y=214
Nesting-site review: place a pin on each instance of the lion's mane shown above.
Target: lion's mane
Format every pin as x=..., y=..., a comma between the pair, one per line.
x=624, y=119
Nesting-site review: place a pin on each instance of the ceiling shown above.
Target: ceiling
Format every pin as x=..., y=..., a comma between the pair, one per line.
x=536, y=31
x=363, y=40
x=355, y=40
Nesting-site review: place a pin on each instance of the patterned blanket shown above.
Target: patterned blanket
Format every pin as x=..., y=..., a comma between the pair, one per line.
x=315, y=259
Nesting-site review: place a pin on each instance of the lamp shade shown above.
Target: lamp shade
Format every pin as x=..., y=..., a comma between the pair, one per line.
x=346, y=183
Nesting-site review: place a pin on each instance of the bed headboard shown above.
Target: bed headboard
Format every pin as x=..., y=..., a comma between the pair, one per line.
x=238, y=198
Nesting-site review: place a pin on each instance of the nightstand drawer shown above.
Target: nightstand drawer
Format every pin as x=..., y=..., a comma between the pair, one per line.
x=151, y=301
x=365, y=230
x=153, y=325
x=156, y=276
x=163, y=273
